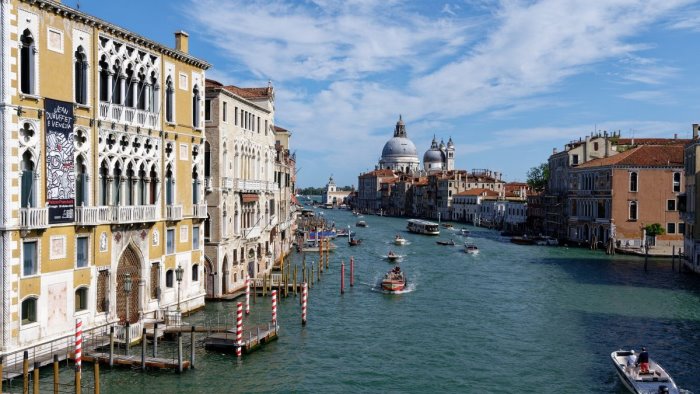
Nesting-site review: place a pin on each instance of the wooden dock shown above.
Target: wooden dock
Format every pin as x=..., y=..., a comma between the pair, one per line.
x=135, y=361
x=253, y=339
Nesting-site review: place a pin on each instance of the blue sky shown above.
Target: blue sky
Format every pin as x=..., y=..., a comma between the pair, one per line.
x=507, y=80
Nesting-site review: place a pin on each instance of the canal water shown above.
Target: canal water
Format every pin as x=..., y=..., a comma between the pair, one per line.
x=525, y=319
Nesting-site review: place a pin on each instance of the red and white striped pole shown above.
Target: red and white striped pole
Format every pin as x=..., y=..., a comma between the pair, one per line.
x=352, y=271
x=274, y=307
x=247, y=296
x=78, y=345
x=239, y=329
x=342, y=277
x=304, y=291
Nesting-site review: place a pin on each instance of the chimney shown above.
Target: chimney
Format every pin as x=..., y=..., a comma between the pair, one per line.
x=554, y=151
x=675, y=136
x=182, y=41
x=695, y=130
x=605, y=141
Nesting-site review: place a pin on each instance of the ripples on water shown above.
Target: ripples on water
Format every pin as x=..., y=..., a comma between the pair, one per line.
x=510, y=319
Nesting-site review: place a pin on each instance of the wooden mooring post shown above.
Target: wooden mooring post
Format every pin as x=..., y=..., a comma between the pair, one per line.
x=37, y=368
x=25, y=372
x=143, y=349
x=111, y=346
x=192, y=348
x=179, y=351
x=56, y=378
x=96, y=372
x=673, y=258
x=155, y=340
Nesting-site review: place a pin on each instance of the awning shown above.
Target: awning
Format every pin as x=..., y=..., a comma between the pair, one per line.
x=249, y=197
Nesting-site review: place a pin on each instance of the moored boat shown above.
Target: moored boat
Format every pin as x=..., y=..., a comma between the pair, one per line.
x=471, y=249
x=354, y=241
x=656, y=380
x=394, y=280
x=446, y=243
x=399, y=240
x=524, y=240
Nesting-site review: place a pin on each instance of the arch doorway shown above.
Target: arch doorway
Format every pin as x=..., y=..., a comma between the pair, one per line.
x=209, y=281
x=129, y=263
x=224, y=277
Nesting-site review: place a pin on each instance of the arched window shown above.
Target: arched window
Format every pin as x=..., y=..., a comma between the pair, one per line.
x=676, y=181
x=132, y=81
x=195, y=106
x=81, y=299
x=27, y=60
x=169, y=186
x=141, y=187
x=28, y=193
x=207, y=228
x=80, y=75
x=81, y=179
x=195, y=186
x=633, y=182
x=129, y=186
x=153, y=93
x=116, y=182
x=141, y=90
x=154, y=185
x=104, y=183
x=169, y=99
x=169, y=278
x=118, y=84
x=104, y=80
x=633, y=210
x=207, y=159
x=195, y=273
x=29, y=310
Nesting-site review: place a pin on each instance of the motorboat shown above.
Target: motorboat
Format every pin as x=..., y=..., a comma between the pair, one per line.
x=524, y=240
x=394, y=280
x=361, y=223
x=657, y=380
x=544, y=240
x=399, y=240
x=391, y=256
x=464, y=232
x=447, y=226
x=446, y=243
x=471, y=249
x=354, y=242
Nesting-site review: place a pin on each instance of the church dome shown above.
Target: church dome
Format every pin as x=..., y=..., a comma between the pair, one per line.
x=399, y=146
x=432, y=156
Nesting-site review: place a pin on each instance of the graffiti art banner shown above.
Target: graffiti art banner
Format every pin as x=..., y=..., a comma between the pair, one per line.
x=60, y=162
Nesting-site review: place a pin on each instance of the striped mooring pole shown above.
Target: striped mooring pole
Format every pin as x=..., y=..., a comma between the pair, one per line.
x=304, y=292
x=239, y=329
x=78, y=354
x=247, y=296
x=274, y=307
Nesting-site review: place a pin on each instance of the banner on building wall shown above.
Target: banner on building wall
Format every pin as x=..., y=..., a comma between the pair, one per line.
x=60, y=162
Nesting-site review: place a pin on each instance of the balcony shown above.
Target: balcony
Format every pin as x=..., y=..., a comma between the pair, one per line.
x=92, y=216
x=255, y=186
x=31, y=218
x=252, y=232
x=134, y=214
x=199, y=211
x=173, y=212
x=227, y=183
x=126, y=115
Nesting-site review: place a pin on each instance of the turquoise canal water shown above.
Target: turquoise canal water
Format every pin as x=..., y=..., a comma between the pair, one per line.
x=512, y=319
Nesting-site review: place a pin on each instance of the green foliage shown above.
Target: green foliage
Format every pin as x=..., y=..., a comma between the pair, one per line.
x=538, y=176
x=655, y=229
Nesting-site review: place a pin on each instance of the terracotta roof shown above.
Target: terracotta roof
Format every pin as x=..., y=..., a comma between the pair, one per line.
x=652, y=141
x=280, y=129
x=644, y=155
x=478, y=192
x=212, y=83
x=247, y=93
x=383, y=172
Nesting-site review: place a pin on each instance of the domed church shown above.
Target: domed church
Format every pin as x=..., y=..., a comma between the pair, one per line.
x=399, y=153
x=439, y=157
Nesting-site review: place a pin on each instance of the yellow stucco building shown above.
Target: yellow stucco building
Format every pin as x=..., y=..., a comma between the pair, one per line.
x=102, y=135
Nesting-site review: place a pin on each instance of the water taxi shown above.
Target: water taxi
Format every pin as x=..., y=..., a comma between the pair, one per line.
x=419, y=226
x=392, y=256
x=399, y=240
x=657, y=380
x=471, y=249
x=394, y=280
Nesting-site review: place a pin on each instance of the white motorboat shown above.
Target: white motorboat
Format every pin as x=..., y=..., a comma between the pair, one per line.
x=657, y=380
x=471, y=249
x=399, y=240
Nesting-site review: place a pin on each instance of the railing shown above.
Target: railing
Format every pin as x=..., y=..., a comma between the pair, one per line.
x=34, y=217
x=135, y=331
x=173, y=212
x=91, y=216
x=199, y=211
x=227, y=183
x=131, y=116
x=252, y=232
x=255, y=185
x=134, y=214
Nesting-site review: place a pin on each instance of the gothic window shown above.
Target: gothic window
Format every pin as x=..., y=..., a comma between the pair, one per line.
x=169, y=99
x=104, y=80
x=169, y=186
x=80, y=75
x=141, y=90
x=195, y=106
x=129, y=187
x=195, y=273
x=27, y=60
x=153, y=94
x=131, y=80
x=154, y=185
x=141, y=187
x=195, y=186
x=28, y=192
x=207, y=159
x=118, y=85
x=116, y=181
x=633, y=210
x=676, y=181
x=633, y=182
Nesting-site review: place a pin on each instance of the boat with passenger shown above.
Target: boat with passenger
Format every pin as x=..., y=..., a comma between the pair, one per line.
x=394, y=280
x=446, y=243
x=471, y=249
x=399, y=240
x=361, y=223
x=354, y=241
x=655, y=380
x=391, y=256
x=419, y=226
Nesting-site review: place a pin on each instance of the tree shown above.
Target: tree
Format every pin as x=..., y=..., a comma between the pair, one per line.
x=538, y=176
x=654, y=229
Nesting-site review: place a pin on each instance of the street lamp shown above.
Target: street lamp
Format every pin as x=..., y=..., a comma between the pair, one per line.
x=178, y=277
x=127, y=290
